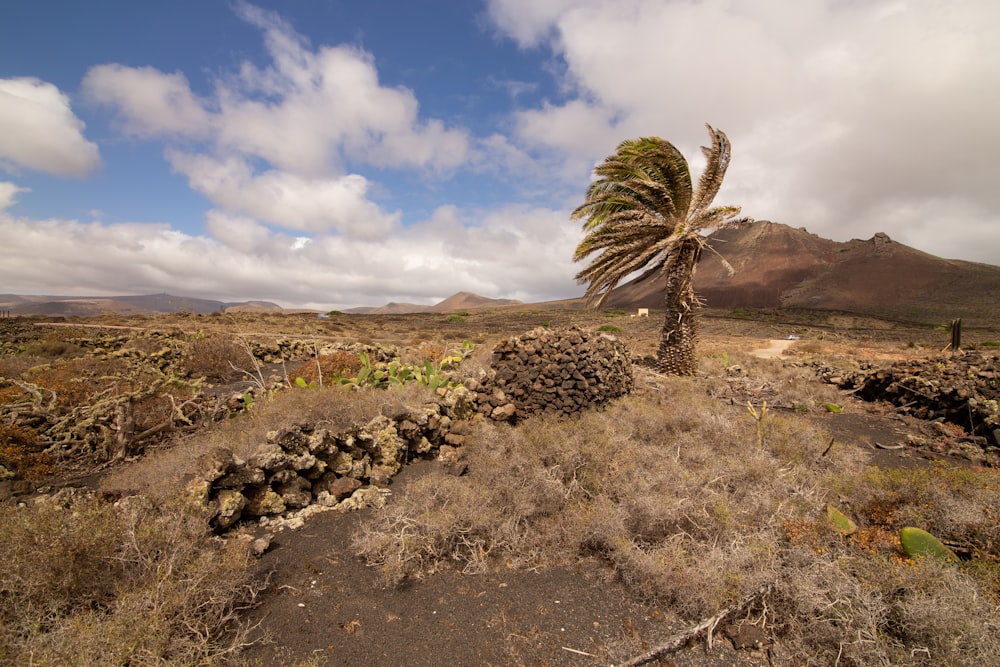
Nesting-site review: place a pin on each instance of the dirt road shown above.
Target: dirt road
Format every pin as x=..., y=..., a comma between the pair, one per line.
x=775, y=348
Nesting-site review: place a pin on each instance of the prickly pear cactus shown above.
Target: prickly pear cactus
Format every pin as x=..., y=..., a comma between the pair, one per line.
x=917, y=542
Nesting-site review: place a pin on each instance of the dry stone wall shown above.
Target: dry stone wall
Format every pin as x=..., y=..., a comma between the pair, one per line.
x=961, y=389
x=552, y=370
x=305, y=464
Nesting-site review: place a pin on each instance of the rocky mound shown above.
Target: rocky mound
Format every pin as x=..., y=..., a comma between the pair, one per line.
x=307, y=465
x=548, y=370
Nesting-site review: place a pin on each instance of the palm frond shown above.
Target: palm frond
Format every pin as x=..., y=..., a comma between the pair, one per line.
x=717, y=157
x=642, y=211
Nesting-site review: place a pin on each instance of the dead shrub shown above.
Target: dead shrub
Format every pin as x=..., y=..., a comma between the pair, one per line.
x=78, y=382
x=52, y=347
x=90, y=583
x=633, y=484
x=213, y=358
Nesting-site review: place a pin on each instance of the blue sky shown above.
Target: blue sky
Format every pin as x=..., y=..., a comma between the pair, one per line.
x=329, y=154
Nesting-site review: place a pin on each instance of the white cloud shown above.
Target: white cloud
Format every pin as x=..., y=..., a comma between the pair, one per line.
x=516, y=252
x=8, y=193
x=150, y=102
x=529, y=23
x=846, y=118
x=307, y=112
x=283, y=198
x=39, y=131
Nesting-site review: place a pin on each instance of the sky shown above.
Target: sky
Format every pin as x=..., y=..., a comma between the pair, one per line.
x=336, y=153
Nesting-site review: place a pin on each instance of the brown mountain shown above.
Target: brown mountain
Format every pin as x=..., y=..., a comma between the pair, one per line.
x=777, y=266
x=470, y=301
x=455, y=302
x=68, y=306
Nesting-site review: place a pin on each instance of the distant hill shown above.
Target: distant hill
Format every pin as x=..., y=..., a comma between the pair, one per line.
x=455, y=302
x=777, y=266
x=68, y=306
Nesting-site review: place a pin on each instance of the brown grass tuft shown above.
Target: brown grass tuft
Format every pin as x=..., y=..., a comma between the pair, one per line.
x=90, y=583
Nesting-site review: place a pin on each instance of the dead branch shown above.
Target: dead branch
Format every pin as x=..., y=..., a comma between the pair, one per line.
x=682, y=639
x=256, y=376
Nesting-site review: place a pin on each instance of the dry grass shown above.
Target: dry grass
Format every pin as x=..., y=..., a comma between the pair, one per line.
x=670, y=491
x=87, y=583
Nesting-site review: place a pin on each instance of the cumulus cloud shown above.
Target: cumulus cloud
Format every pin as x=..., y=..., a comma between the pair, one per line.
x=39, y=131
x=516, y=253
x=307, y=112
x=846, y=118
x=8, y=193
x=150, y=102
x=287, y=199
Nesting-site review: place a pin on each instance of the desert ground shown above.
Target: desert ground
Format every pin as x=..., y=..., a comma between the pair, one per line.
x=750, y=515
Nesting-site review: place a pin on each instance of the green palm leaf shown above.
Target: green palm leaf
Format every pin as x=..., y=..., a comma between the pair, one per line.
x=642, y=214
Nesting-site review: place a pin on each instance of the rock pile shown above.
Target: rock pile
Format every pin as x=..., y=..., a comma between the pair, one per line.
x=549, y=370
x=963, y=390
x=306, y=464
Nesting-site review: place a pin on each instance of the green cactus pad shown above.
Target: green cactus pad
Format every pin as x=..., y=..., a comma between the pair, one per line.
x=840, y=521
x=917, y=542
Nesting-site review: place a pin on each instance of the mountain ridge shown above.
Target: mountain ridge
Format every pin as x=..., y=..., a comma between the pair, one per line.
x=777, y=266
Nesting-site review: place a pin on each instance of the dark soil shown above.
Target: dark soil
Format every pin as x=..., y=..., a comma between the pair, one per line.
x=325, y=605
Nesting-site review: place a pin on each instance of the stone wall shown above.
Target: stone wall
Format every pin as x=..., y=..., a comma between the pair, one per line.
x=548, y=370
x=305, y=464
x=961, y=389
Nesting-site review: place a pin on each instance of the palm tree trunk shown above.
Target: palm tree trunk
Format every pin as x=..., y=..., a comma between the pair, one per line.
x=676, y=355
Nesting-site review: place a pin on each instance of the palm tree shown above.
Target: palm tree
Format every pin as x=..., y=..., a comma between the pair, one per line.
x=642, y=213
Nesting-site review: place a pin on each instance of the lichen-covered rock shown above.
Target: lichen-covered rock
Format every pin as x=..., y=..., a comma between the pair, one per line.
x=263, y=501
x=391, y=449
x=293, y=439
x=198, y=491
x=214, y=464
x=458, y=402
x=301, y=462
x=229, y=506
x=268, y=456
x=296, y=492
x=367, y=496
x=322, y=443
x=341, y=463
x=241, y=477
